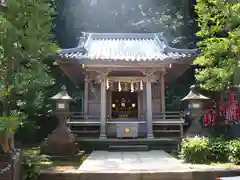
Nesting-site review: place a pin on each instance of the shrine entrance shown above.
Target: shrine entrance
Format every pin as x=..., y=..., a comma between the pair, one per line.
x=124, y=105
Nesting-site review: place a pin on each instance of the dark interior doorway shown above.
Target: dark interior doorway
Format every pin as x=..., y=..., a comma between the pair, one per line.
x=124, y=104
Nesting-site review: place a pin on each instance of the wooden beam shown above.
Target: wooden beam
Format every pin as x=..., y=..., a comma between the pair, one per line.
x=115, y=66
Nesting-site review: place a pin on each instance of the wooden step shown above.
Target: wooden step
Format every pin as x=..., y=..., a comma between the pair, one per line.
x=117, y=148
x=166, y=130
x=84, y=131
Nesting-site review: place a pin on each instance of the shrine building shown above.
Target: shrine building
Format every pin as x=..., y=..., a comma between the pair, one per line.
x=124, y=77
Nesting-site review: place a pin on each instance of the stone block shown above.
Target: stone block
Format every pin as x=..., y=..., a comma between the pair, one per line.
x=59, y=176
x=167, y=176
x=200, y=175
x=110, y=176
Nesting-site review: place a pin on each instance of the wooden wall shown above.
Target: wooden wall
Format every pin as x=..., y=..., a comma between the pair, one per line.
x=94, y=103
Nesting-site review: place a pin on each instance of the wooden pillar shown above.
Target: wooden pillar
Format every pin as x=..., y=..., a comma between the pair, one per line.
x=103, y=108
x=139, y=104
x=162, y=93
x=149, y=109
x=110, y=102
x=144, y=108
x=86, y=90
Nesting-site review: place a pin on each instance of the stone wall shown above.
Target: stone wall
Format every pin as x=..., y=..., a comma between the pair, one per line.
x=10, y=166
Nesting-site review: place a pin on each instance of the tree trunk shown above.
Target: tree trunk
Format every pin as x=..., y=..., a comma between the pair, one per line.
x=11, y=141
x=4, y=141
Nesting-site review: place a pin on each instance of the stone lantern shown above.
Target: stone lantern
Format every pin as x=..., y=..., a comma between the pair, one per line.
x=63, y=101
x=196, y=102
x=61, y=142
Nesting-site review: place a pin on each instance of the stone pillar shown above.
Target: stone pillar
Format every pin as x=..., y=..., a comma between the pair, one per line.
x=103, y=108
x=162, y=94
x=149, y=109
x=86, y=89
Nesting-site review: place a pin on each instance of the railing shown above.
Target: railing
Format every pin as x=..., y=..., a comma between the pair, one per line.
x=81, y=118
x=168, y=117
x=168, y=122
x=124, y=114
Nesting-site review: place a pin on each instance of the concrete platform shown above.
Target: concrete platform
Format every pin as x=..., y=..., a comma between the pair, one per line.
x=121, y=162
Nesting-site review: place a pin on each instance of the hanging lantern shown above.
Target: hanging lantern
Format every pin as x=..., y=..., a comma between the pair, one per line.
x=132, y=87
x=123, y=102
x=119, y=87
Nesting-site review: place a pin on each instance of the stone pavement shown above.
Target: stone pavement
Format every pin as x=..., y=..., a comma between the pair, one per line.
x=151, y=165
x=151, y=161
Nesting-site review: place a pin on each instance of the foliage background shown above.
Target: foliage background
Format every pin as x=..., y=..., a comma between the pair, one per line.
x=219, y=29
x=29, y=29
x=25, y=72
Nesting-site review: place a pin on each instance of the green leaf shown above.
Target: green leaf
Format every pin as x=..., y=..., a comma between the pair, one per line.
x=219, y=22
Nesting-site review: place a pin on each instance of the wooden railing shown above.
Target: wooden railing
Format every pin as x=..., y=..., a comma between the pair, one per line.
x=124, y=114
x=168, y=117
x=171, y=117
x=168, y=122
x=81, y=118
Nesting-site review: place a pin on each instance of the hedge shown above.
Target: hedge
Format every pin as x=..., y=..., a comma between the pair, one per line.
x=206, y=150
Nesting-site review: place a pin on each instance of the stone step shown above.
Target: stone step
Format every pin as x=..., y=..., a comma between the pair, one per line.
x=128, y=148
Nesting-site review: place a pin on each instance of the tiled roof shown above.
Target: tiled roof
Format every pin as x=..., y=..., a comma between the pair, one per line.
x=124, y=46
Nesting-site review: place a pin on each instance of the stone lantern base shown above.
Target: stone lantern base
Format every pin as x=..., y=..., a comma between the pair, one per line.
x=60, y=143
x=196, y=129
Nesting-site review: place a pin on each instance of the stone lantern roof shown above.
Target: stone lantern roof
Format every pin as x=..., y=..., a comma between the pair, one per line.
x=62, y=95
x=194, y=95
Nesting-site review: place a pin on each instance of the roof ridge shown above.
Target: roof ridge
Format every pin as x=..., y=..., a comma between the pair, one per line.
x=120, y=35
x=177, y=50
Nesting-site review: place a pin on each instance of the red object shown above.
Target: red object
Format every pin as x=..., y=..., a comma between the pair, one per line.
x=232, y=97
x=229, y=110
x=214, y=117
x=234, y=111
x=205, y=119
x=237, y=111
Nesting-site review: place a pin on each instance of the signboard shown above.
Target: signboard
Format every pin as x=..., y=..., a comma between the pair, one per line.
x=228, y=107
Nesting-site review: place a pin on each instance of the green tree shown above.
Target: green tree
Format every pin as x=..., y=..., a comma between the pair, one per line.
x=219, y=29
x=25, y=39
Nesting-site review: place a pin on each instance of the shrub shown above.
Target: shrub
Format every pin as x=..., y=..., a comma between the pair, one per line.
x=195, y=150
x=32, y=160
x=234, y=151
x=218, y=148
